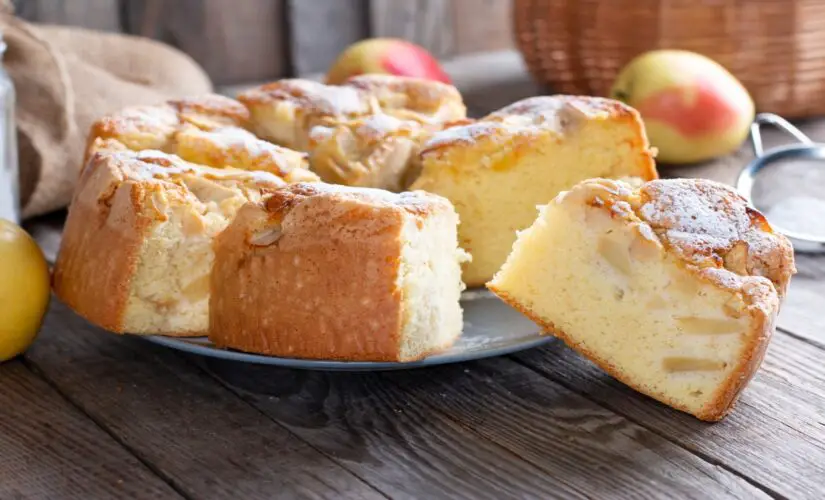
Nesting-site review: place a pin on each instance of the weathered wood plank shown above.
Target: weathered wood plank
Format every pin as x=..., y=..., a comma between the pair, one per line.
x=101, y=15
x=197, y=434
x=402, y=440
x=233, y=41
x=775, y=436
x=426, y=22
x=398, y=445
x=48, y=449
x=321, y=29
x=587, y=447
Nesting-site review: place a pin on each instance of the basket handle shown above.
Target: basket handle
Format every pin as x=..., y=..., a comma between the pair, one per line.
x=778, y=122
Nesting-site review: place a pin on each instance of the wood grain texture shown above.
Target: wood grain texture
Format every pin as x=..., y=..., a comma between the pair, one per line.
x=197, y=434
x=586, y=447
x=48, y=449
x=233, y=41
x=775, y=436
x=398, y=445
x=428, y=23
x=322, y=29
x=101, y=15
x=429, y=428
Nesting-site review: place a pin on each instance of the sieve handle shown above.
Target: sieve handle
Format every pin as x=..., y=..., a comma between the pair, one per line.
x=778, y=122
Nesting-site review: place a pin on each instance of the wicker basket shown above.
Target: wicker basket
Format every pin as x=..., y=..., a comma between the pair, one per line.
x=775, y=47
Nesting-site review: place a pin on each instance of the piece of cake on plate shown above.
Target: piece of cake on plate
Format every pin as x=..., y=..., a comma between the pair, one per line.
x=496, y=171
x=322, y=271
x=364, y=133
x=672, y=288
x=136, y=252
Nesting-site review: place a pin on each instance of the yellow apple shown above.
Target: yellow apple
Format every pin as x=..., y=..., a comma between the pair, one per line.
x=385, y=56
x=24, y=289
x=692, y=107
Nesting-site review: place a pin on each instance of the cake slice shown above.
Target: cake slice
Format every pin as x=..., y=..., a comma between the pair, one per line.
x=672, y=288
x=377, y=151
x=154, y=127
x=238, y=148
x=496, y=171
x=136, y=252
x=207, y=130
x=365, y=133
x=331, y=272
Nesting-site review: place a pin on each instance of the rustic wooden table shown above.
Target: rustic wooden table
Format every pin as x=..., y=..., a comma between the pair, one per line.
x=86, y=414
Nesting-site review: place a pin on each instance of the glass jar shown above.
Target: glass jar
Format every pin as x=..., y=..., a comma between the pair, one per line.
x=9, y=175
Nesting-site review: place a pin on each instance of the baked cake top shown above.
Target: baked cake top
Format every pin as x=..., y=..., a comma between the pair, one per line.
x=557, y=114
x=404, y=97
x=705, y=224
x=418, y=203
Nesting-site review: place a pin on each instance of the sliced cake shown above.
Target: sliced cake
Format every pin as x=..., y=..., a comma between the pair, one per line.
x=154, y=127
x=207, y=130
x=331, y=272
x=136, y=252
x=365, y=133
x=496, y=171
x=672, y=288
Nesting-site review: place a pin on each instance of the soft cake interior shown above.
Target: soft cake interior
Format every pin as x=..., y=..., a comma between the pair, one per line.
x=430, y=280
x=500, y=194
x=169, y=293
x=618, y=297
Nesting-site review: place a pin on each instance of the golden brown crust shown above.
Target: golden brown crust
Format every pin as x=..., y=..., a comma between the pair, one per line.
x=101, y=240
x=331, y=256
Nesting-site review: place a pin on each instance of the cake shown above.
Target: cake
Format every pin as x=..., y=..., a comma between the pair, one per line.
x=154, y=127
x=673, y=288
x=136, y=253
x=208, y=130
x=322, y=271
x=364, y=133
x=378, y=151
x=496, y=170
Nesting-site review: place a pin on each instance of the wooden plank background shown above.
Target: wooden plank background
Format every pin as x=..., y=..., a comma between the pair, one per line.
x=254, y=40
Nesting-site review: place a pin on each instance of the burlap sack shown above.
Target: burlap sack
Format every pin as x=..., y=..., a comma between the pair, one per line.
x=65, y=78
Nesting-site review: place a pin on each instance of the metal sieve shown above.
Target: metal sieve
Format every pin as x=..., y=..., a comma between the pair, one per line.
x=787, y=184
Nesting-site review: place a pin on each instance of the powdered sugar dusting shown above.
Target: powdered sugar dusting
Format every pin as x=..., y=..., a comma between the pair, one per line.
x=703, y=220
x=464, y=134
x=325, y=99
x=379, y=124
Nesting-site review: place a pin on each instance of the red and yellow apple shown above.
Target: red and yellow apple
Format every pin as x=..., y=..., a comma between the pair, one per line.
x=385, y=56
x=692, y=107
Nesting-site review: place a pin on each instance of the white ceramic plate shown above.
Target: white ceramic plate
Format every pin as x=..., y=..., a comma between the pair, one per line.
x=491, y=328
